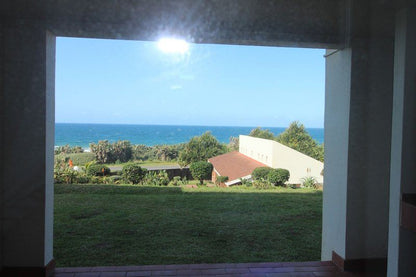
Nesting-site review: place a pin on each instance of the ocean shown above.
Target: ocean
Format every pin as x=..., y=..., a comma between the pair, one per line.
x=83, y=134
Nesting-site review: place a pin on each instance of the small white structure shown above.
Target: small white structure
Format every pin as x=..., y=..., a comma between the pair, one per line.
x=277, y=155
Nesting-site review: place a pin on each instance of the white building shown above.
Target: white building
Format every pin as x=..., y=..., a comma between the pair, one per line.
x=277, y=155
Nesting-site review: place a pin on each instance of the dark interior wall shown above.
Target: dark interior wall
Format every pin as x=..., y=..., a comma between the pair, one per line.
x=306, y=23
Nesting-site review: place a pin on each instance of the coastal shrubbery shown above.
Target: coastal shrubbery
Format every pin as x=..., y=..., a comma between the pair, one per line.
x=66, y=149
x=98, y=170
x=295, y=137
x=79, y=159
x=201, y=149
x=106, y=152
x=133, y=173
x=201, y=171
x=264, y=177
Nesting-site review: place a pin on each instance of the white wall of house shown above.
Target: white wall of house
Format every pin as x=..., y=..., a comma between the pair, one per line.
x=277, y=155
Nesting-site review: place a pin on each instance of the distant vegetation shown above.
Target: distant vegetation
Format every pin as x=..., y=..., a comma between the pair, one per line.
x=198, y=149
x=295, y=137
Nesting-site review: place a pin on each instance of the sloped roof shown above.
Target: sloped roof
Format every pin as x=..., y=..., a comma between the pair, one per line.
x=234, y=165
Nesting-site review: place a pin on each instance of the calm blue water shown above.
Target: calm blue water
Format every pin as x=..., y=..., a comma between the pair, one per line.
x=83, y=134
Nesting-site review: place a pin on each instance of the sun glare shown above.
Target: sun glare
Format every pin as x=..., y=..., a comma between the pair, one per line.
x=173, y=46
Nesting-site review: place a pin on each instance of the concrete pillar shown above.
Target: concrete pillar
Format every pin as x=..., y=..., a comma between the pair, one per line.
x=359, y=84
x=402, y=242
x=27, y=140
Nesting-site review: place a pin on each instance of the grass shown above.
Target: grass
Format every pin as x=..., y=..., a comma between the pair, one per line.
x=99, y=225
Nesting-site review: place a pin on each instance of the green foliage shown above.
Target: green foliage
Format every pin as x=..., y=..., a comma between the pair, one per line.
x=221, y=179
x=178, y=181
x=133, y=173
x=79, y=159
x=261, y=173
x=106, y=152
x=260, y=133
x=309, y=182
x=246, y=182
x=121, y=151
x=201, y=149
x=167, y=152
x=98, y=170
x=102, y=151
x=201, y=171
x=154, y=178
x=66, y=149
x=296, y=137
x=234, y=144
x=261, y=184
x=278, y=176
x=141, y=152
x=64, y=174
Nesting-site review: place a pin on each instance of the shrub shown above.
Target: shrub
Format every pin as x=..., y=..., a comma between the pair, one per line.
x=309, y=182
x=66, y=149
x=221, y=179
x=154, y=178
x=176, y=181
x=278, y=176
x=133, y=173
x=261, y=184
x=102, y=151
x=121, y=151
x=106, y=152
x=79, y=159
x=246, y=182
x=260, y=173
x=201, y=171
x=98, y=170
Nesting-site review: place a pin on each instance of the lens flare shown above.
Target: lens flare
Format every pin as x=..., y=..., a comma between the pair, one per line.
x=173, y=46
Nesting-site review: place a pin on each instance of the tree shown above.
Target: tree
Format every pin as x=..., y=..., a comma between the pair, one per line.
x=260, y=133
x=133, y=173
x=234, y=144
x=296, y=137
x=201, y=149
x=201, y=171
x=102, y=151
x=278, y=176
x=261, y=173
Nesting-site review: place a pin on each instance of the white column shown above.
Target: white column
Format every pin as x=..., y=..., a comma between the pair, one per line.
x=359, y=84
x=27, y=131
x=402, y=242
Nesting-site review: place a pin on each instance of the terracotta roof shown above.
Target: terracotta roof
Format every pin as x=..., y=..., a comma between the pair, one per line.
x=234, y=165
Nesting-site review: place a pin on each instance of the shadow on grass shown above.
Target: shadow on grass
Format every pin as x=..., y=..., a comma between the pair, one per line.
x=139, y=190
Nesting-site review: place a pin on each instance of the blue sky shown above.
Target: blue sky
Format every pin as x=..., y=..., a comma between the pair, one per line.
x=133, y=82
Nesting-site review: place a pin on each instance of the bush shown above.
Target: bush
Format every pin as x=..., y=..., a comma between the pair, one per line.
x=133, y=173
x=102, y=151
x=261, y=173
x=79, y=159
x=201, y=171
x=246, y=182
x=66, y=149
x=309, y=182
x=261, y=184
x=278, y=176
x=176, y=181
x=221, y=180
x=106, y=152
x=154, y=178
x=98, y=170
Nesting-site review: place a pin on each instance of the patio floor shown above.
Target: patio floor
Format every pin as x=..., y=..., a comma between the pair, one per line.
x=298, y=269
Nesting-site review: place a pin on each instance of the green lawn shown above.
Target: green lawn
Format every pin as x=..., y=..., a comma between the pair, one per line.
x=99, y=225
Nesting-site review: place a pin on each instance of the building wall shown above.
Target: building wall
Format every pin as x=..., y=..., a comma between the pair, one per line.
x=277, y=155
